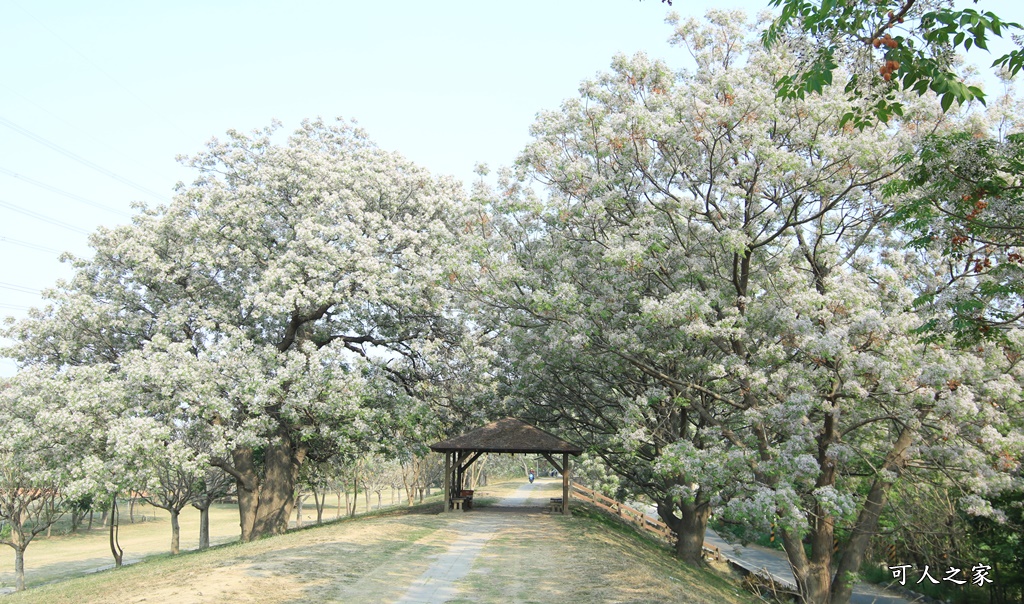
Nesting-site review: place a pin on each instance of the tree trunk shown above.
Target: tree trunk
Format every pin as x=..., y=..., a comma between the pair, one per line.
x=19, y=566
x=175, y=531
x=204, y=527
x=277, y=493
x=90, y=520
x=265, y=507
x=298, y=510
x=689, y=528
x=813, y=575
x=247, y=486
x=319, y=498
x=867, y=521
x=131, y=508
x=115, y=546
x=355, y=495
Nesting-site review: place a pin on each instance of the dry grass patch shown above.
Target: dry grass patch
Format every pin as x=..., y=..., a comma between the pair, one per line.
x=532, y=557
x=588, y=558
x=305, y=565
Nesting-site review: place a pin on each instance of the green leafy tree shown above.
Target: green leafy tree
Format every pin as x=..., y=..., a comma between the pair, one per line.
x=886, y=47
x=961, y=196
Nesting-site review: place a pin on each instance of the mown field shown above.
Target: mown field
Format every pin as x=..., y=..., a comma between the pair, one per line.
x=63, y=556
x=537, y=557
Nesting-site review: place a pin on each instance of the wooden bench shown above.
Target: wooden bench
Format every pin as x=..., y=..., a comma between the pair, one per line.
x=555, y=504
x=458, y=503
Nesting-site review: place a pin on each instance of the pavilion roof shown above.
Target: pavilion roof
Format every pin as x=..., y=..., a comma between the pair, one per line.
x=507, y=435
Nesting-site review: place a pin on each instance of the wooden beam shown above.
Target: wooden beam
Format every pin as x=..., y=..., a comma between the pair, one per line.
x=470, y=462
x=554, y=463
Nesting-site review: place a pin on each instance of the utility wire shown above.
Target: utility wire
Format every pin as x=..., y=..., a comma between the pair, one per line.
x=82, y=131
x=43, y=185
x=140, y=100
x=20, y=288
x=39, y=216
x=31, y=246
x=15, y=307
x=80, y=159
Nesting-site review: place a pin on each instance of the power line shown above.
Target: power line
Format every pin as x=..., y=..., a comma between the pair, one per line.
x=15, y=307
x=43, y=185
x=80, y=159
x=31, y=246
x=81, y=131
x=20, y=288
x=140, y=100
x=39, y=216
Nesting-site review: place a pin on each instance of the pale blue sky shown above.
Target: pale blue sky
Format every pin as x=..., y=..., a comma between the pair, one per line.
x=93, y=94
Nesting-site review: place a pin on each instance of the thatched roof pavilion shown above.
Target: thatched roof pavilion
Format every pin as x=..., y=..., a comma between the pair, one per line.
x=507, y=435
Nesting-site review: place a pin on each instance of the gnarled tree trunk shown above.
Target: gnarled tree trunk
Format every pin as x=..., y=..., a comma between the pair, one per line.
x=689, y=527
x=265, y=502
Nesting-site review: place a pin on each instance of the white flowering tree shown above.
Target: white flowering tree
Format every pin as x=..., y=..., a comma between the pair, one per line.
x=712, y=282
x=213, y=485
x=270, y=302
x=174, y=476
x=46, y=424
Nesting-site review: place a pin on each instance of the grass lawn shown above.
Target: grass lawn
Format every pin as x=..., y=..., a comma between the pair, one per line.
x=531, y=556
x=63, y=556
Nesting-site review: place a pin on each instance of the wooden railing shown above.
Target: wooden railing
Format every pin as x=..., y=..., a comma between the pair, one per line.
x=636, y=517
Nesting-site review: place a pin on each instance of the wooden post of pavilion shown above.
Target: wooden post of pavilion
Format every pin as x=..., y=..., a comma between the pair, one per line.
x=447, y=480
x=460, y=458
x=565, y=484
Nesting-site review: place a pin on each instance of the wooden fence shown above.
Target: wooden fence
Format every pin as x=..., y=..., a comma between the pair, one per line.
x=635, y=517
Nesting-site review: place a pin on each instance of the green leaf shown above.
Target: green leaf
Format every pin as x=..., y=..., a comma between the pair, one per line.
x=947, y=101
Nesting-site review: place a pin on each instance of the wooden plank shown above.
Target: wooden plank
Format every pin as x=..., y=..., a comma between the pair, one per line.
x=643, y=521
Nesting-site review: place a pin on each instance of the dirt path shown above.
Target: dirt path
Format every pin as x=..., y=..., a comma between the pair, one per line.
x=439, y=582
